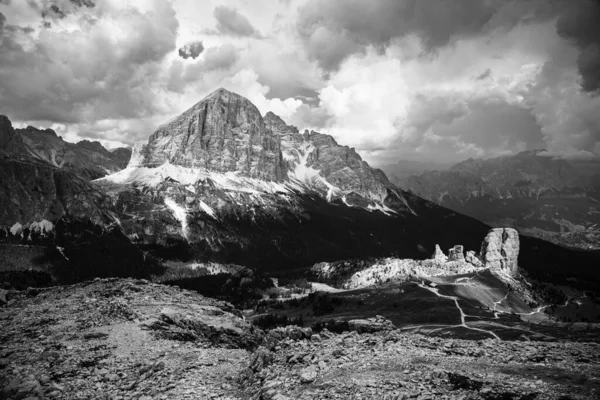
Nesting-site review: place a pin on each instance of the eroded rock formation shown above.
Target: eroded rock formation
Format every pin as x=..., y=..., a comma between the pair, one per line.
x=456, y=253
x=500, y=250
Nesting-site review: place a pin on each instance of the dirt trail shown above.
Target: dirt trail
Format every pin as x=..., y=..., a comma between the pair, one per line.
x=463, y=323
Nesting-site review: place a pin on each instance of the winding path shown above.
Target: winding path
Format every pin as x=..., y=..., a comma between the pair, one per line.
x=462, y=313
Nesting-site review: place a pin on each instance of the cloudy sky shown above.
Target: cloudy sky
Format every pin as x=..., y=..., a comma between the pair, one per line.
x=435, y=80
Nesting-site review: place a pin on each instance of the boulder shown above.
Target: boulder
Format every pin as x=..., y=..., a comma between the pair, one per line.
x=500, y=250
x=308, y=374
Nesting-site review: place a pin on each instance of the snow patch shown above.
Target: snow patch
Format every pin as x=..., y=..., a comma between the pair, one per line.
x=43, y=226
x=381, y=207
x=61, y=250
x=206, y=208
x=303, y=173
x=179, y=213
x=16, y=229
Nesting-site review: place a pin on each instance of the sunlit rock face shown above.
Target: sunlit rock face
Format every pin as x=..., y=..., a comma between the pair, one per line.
x=500, y=250
x=337, y=171
x=224, y=132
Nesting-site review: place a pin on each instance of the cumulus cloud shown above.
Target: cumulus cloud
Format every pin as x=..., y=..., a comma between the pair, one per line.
x=107, y=70
x=209, y=68
x=192, y=49
x=431, y=79
x=231, y=22
x=334, y=29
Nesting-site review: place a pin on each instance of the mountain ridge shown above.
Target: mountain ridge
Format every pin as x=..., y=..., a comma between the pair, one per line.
x=89, y=160
x=540, y=195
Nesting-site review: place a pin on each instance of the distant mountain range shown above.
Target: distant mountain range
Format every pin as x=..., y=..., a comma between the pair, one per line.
x=89, y=160
x=545, y=197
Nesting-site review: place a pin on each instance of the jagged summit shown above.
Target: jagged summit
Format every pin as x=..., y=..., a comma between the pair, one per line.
x=224, y=132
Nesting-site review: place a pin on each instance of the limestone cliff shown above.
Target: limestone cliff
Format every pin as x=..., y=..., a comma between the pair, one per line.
x=224, y=132
x=500, y=250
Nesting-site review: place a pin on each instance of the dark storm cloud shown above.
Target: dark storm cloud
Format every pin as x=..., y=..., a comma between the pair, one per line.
x=335, y=29
x=59, y=9
x=84, y=3
x=6, y=2
x=426, y=111
x=231, y=22
x=192, y=50
x=494, y=124
x=485, y=75
x=49, y=79
x=581, y=23
x=345, y=26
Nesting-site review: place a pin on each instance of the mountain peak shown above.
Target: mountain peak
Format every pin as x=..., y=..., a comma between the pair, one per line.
x=224, y=132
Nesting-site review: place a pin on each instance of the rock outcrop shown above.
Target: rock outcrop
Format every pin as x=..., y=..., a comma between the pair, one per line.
x=439, y=255
x=10, y=141
x=371, y=325
x=456, y=253
x=500, y=250
x=119, y=156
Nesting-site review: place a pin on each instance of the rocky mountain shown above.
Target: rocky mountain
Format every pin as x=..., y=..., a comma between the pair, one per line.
x=120, y=156
x=545, y=197
x=88, y=160
x=65, y=222
x=222, y=183
x=404, y=168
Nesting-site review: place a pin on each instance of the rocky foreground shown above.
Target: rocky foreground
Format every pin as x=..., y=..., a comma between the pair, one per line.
x=131, y=339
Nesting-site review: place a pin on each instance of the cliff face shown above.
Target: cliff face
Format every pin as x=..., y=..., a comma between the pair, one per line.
x=88, y=162
x=223, y=133
x=10, y=141
x=121, y=156
x=319, y=161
